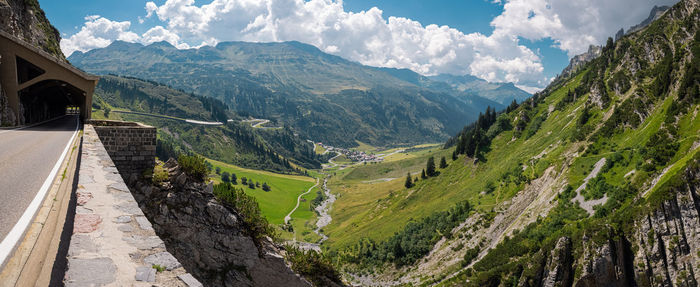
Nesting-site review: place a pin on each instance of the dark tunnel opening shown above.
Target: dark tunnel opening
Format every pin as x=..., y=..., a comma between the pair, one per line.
x=49, y=99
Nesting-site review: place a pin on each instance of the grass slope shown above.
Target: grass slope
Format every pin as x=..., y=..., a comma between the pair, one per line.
x=282, y=197
x=548, y=133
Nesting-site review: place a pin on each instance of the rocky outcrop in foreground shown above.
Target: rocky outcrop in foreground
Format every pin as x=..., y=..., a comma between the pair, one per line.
x=209, y=238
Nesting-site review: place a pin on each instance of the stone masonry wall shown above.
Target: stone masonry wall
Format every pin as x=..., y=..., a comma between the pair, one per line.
x=113, y=243
x=132, y=146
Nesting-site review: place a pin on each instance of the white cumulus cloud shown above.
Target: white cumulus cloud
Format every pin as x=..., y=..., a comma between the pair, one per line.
x=368, y=37
x=159, y=34
x=573, y=25
x=372, y=38
x=98, y=32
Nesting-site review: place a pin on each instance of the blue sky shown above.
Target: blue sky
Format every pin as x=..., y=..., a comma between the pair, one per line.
x=522, y=41
x=466, y=16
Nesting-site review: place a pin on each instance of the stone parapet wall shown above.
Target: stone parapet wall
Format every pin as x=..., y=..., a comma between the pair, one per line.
x=132, y=146
x=113, y=243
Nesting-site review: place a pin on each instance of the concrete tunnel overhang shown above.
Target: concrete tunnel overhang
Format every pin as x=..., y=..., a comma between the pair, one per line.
x=37, y=84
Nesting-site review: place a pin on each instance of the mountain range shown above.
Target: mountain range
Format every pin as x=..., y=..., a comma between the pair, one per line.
x=232, y=141
x=321, y=96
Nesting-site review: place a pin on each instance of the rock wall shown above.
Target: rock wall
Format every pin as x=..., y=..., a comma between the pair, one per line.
x=663, y=249
x=24, y=19
x=132, y=146
x=668, y=239
x=578, y=61
x=113, y=244
x=209, y=238
x=655, y=14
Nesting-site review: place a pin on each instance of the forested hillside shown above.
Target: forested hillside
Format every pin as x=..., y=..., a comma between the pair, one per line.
x=232, y=142
x=591, y=182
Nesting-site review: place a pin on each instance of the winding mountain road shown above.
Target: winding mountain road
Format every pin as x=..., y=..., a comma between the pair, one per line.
x=191, y=121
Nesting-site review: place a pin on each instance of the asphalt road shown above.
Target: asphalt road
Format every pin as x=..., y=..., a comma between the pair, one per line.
x=26, y=159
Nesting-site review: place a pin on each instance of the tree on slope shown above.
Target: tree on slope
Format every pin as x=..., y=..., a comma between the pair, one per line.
x=409, y=181
x=430, y=167
x=443, y=162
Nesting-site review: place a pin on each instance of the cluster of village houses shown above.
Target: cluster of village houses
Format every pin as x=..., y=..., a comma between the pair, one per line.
x=353, y=155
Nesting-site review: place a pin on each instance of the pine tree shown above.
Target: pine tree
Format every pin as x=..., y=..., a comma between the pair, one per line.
x=265, y=187
x=443, y=162
x=234, y=179
x=225, y=177
x=454, y=155
x=430, y=167
x=409, y=181
x=422, y=174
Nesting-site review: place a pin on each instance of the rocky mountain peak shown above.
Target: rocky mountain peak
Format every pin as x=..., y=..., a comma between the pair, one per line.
x=655, y=14
x=579, y=60
x=594, y=51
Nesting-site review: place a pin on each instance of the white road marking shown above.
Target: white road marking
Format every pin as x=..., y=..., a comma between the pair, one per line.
x=8, y=244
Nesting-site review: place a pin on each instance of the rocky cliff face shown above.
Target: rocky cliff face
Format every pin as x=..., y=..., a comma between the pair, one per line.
x=667, y=240
x=209, y=238
x=662, y=250
x=594, y=51
x=579, y=60
x=655, y=14
x=25, y=20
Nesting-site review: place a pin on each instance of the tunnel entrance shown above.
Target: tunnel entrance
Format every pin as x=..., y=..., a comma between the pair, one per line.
x=49, y=99
x=36, y=86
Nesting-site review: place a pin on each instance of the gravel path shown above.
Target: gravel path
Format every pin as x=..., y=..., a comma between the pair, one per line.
x=289, y=216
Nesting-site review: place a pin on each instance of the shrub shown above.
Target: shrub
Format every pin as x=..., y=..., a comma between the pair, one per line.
x=660, y=148
x=247, y=207
x=317, y=200
x=158, y=268
x=193, y=166
x=312, y=265
x=471, y=254
x=159, y=174
x=413, y=242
